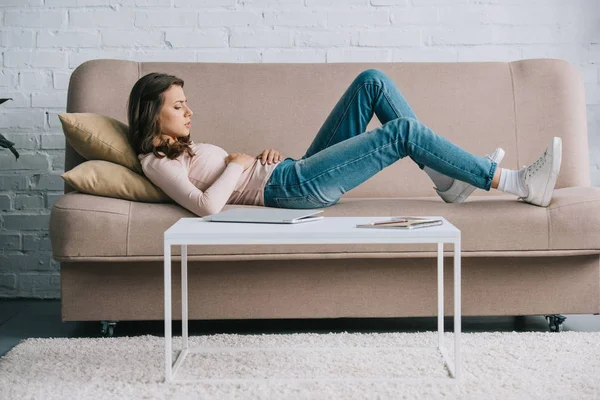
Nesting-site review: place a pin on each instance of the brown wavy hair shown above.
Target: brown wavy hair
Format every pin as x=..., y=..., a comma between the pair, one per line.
x=145, y=101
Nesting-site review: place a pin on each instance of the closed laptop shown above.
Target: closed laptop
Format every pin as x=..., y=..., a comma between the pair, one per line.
x=265, y=215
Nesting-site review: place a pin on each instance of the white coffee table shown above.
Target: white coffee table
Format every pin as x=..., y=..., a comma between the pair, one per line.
x=330, y=230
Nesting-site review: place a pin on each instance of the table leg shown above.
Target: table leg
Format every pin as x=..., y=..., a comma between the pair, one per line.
x=457, y=307
x=168, y=334
x=440, y=276
x=184, y=296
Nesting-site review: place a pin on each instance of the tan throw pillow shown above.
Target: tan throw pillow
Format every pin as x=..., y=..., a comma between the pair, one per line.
x=97, y=137
x=103, y=178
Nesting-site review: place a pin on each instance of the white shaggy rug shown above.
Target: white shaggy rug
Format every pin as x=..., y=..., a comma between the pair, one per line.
x=512, y=365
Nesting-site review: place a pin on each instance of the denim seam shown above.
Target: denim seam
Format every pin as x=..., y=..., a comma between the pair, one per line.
x=488, y=182
x=390, y=103
x=385, y=94
x=317, y=201
x=341, y=165
x=343, y=115
x=376, y=150
x=441, y=159
x=353, y=160
x=381, y=87
x=307, y=196
x=286, y=198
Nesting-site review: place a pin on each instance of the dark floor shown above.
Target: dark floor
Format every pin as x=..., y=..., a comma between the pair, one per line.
x=26, y=318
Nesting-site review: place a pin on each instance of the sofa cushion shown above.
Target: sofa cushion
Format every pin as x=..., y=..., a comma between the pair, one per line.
x=104, y=178
x=86, y=227
x=97, y=137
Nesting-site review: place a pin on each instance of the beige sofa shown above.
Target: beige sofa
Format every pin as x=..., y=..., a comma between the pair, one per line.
x=518, y=259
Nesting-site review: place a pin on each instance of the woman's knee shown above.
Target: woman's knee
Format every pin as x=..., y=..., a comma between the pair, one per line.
x=372, y=75
x=403, y=124
x=403, y=128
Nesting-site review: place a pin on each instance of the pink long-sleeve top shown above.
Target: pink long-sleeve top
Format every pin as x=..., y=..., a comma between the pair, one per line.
x=205, y=183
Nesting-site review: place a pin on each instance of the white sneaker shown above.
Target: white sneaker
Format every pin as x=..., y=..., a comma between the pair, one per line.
x=459, y=190
x=540, y=177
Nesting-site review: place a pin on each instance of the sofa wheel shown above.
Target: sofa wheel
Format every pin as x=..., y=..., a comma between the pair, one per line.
x=108, y=328
x=555, y=321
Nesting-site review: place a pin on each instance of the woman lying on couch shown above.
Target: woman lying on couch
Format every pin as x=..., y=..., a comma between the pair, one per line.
x=203, y=177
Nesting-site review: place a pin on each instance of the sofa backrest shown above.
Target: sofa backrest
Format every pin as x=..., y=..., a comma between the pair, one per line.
x=245, y=107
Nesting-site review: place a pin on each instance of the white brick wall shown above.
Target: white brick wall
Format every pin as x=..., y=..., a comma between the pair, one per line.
x=42, y=41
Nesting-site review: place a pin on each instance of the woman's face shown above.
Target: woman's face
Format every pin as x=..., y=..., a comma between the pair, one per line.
x=175, y=116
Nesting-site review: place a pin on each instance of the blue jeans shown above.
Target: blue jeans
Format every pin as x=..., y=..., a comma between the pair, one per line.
x=343, y=155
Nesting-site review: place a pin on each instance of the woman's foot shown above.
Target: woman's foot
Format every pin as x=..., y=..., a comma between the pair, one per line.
x=459, y=191
x=540, y=177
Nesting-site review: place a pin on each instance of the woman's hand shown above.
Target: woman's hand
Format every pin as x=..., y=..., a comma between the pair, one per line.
x=243, y=159
x=270, y=156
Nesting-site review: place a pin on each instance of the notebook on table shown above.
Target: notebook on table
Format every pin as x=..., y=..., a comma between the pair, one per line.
x=403, y=223
x=265, y=216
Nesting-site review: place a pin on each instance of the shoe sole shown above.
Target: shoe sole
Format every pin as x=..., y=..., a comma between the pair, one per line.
x=497, y=157
x=556, y=150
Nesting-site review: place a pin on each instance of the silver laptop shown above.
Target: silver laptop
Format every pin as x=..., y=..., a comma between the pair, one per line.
x=265, y=215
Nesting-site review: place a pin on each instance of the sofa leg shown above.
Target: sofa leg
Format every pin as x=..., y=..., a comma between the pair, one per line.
x=108, y=328
x=555, y=321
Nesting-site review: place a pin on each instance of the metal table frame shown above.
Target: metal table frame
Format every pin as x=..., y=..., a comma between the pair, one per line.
x=174, y=239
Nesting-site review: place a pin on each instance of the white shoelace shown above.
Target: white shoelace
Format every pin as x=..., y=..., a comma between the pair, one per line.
x=536, y=166
x=532, y=169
